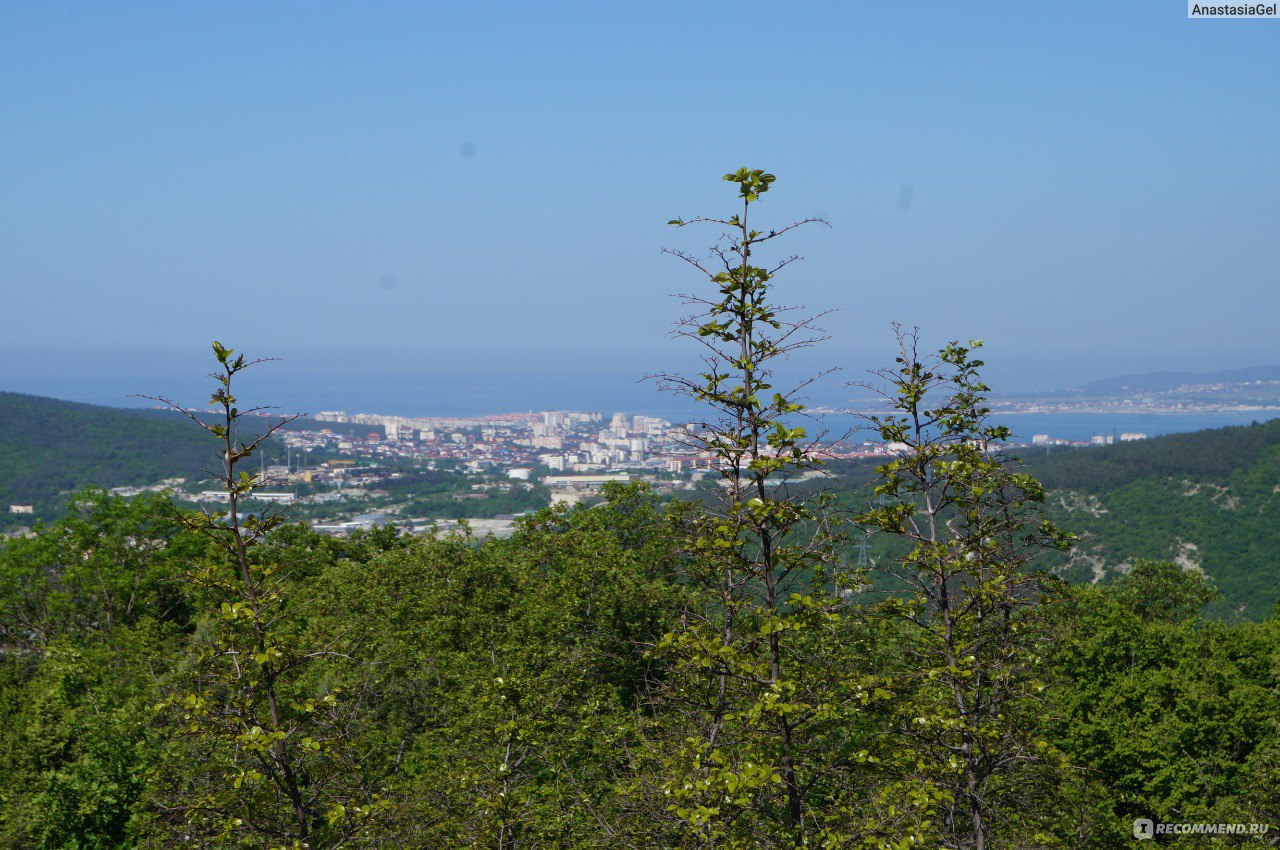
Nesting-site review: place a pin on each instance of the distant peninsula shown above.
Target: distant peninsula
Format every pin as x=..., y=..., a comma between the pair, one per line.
x=1235, y=391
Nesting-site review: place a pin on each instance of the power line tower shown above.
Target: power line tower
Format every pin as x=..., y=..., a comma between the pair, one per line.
x=862, y=547
x=851, y=579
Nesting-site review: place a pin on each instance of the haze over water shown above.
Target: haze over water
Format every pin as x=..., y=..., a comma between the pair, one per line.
x=1091, y=187
x=501, y=383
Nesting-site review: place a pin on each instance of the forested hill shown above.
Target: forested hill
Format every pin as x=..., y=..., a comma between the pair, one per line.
x=49, y=447
x=1208, y=500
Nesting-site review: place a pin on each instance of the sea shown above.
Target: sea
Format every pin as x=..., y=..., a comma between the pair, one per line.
x=1084, y=426
x=393, y=389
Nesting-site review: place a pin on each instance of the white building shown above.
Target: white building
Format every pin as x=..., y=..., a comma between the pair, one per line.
x=275, y=498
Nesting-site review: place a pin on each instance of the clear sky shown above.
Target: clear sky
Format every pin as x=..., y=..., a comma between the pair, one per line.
x=1094, y=188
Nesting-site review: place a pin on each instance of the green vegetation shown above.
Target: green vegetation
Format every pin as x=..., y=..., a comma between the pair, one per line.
x=973, y=615
x=262, y=732
x=1208, y=500
x=446, y=495
x=757, y=736
x=505, y=689
x=638, y=674
x=1160, y=713
x=49, y=448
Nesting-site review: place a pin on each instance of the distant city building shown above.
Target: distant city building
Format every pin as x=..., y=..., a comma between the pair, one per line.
x=681, y=435
x=399, y=433
x=21, y=509
x=1130, y=436
x=584, y=481
x=277, y=498
x=650, y=425
x=1040, y=440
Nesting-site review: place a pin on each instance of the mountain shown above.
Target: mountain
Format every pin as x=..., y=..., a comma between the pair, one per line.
x=1156, y=382
x=1208, y=500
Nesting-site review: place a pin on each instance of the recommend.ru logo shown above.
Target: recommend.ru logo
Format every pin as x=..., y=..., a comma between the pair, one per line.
x=1147, y=828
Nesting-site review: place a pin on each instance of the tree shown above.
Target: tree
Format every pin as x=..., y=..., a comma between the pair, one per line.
x=108, y=563
x=973, y=633
x=261, y=750
x=760, y=704
x=510, y=673
x=1169, y=716
x=1164, y=591
x=87, y=606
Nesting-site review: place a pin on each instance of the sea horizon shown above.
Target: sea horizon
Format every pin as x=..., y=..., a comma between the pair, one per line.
x=496, y=395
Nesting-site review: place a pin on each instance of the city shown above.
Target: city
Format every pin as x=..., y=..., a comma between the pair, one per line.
x=343, y=481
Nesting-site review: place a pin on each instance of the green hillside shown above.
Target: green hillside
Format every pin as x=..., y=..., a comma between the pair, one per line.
x=49, y=447
x=1209, y=500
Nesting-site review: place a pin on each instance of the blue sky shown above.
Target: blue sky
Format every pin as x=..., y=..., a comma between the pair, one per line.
x=1094, y=188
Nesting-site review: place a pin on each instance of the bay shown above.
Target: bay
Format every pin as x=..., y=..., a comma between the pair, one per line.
x=1083, y=426
x=476, y=386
